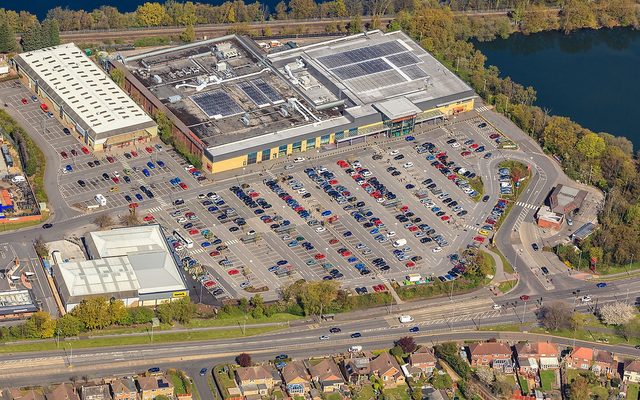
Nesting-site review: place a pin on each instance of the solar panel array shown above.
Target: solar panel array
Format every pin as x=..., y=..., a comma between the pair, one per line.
x=217, y=103
x=260, y=92
x=383, y=60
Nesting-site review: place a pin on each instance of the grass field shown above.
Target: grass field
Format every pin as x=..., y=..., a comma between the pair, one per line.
x=178, y=384
x=632, y=391
x=505, y=286
x=365, y=393
x=399, y=393
x=547, y=379
x=235, y=320
x=506, y=266
x=524, y=385
x=138, y=340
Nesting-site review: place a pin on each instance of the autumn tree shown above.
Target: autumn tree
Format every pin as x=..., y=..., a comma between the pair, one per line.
x=244, y=360
x=40, y=325
x=103, y=221
x=616, y=313
x=579, y=389
x=93, y=312
x=407, y=344
x=590, y=145
x=303, y=9
x=117, y=76
x=556, y=315
x=188, y=35
x=151, y=14
x=69, y=325
x=129, y=219
x=577, y=14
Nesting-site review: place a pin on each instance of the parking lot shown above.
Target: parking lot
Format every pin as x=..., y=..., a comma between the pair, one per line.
x=363, y=220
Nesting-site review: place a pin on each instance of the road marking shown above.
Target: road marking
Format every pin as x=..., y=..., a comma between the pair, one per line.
x=526, y=205
x=482, y=109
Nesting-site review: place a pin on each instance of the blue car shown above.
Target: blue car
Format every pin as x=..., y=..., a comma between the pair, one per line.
x=409, y=138
x=374, y=231
x=127, y=198
x=273, y=268
x=351, y=260
x=150, y=165
x=414, y=329
x=146, y=172
x=205, y=244
x=601, y=285
x=347, y=234
x=431, y=157
x=282, y=262
x=212, y=209
x=139, y=196
x=326, y=213
x=292, y=243
x=160, y=163
x=69, y=168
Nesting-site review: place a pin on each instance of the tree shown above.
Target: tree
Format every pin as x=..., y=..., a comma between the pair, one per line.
x=485, y=375
x=407, y=344
x=616, y=313
x=577, y=14
x=355, y=25
x=579, y=389
x=244, y=360
x=42, y=250
x=561, y=135
x=151, y=14
x=103, y=221
x=140, y=315
x=118, y=312
x=8, y=42
x=93, y=312
x=40, y=325
x=630, y=330
x=183, y=310
x=129, y=219
x=441, y=381
x=591, y=145
x=188, y=35
x=32, y=38
x=340, y=8
x=501, y=388
x=396, y=351
x=117, y=76
x=555, y=316
x=69, y=325
x=303, y=9
x=50, y=32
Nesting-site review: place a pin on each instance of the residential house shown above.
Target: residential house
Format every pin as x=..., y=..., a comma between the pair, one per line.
x=154, y=386
x=296, y=378
x=388, y=370
x=545, y=353
x=357, y=370
x=527, y=366
x=491, y=354
x=30, y=394
x=256, y=380
x=580, y=358
x=63, y=391
x=603, y=363
x=124, y=389
x=97, y=392
x=632, y=371
x=423, y=360
x=328, y=376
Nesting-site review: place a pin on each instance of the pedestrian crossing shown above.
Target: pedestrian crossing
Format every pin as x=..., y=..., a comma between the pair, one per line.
x=463, y=317
x=526, y=205
x=232, y=241
x=482, y=109
x=154, y=209
x=199, y=250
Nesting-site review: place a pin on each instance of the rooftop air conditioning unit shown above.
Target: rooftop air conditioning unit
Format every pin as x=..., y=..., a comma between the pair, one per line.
x=284, y=112
x=245, y=120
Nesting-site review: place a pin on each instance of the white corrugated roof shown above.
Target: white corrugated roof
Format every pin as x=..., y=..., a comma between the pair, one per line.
x=85, y=88
x=102, y=276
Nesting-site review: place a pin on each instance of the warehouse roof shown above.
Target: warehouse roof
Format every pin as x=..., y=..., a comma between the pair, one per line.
x=87, y=94
x=16, y=301
x=101, y=276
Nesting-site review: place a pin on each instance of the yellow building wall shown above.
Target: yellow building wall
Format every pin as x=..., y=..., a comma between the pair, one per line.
x=232, y=163
x=464, y=106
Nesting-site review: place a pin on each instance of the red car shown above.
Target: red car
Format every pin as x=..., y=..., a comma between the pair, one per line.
x=133, y=205
x=410, y=264
x=474, y=146
x=110, y=159
x=333, y=182
x=377, y=222
x=148, y=218
x=465, y=153
x=115, y=179
x=253, y=195
x=319, y=256
x=452, y=177
x=24, y=101
x=193, y=231
x=524, y=297
x=184, y=186
x=214, y=253
x=445, y=218
x=333, y=241
x=134, y=153
x=490, y=221
x=149, y=149
x=441, y=154
x=345, y=253
x=494, y=136
x=342, y=164
x=267, y=220
x=85, y=150
x=479, y=239
x=404, y=208
x=413, y=229
x=63, y=155
x=233, y=272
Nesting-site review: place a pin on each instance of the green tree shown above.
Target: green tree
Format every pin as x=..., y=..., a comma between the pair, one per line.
x=118, y=312
x=303, y=9
x=579, y=389
x=8, y=42
x=340, y=8
x=50, y=31
x=69, y=325
x=561, y=135
x=281, y=11
x=183, y=310
x=188, y=35
x=32, y=38
x=141, y=315
x=40, y=325
x=396, y=351
x=93, y=312
x=441, y=381
x=591, y=145
x=117, y=76
x=355, y=25
x=150, y=14
x=165, y=313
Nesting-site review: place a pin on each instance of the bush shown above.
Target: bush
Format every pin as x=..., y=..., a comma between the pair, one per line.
x=449, y=353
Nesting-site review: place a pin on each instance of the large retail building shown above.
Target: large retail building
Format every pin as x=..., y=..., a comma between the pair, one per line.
x=234, y=104
x=79, y=93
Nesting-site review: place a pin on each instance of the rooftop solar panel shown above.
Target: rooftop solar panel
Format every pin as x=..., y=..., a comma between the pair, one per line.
x=267, y=90
x=217, y=104
x=361, y=69
x=362, y=54
x=254, y=94
x=414, y=72
x=403, y=59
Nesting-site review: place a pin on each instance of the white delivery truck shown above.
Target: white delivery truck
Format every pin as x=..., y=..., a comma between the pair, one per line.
x=406, y=319
x=355, y=349
x=101, y=200
x=399, y=242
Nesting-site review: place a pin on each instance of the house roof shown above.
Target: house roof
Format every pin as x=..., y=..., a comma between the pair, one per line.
x=30, y=394
x=422, y=356
x=63, y=391
x=293, y=370
x=360, y=365
x=564, y=199
x=326, y=370
x=253, y=373
x=603, y=356
x=539, y=349
x=97, y=391
x=384, y=363
x=489, y=348
x=582, y=352
x=632, y=366
x=153, y=383
x=123, y=385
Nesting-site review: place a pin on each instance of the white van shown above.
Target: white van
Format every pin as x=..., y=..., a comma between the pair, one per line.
x=406, y=319
x=101, y=200
x=355, y=349
x=399, y=242
x=18, y=178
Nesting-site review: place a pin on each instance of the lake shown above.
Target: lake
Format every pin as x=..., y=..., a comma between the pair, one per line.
x=590, y=76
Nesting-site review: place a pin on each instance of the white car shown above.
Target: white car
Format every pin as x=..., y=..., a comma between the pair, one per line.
x=288, y=167
x=302, y=191
x=437, y=249
x=321, y=229
x=408, y=165
x=188, y=167
x=380, y=200
x=497, y=307
x=356, y=164
x=366, y=173
x=322, y=169
x=181, y=220
x=202, y=196
x=324, y=337
x=394, y=152
x=116, y=174
x=391, y=234
x=298, y=159
x=586, y=299
x=455, y=145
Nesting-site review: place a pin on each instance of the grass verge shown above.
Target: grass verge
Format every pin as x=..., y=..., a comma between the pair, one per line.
x=140, y=340
x=235, y=320
x=477, y=185
x=505, y=286
x=506, y=265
